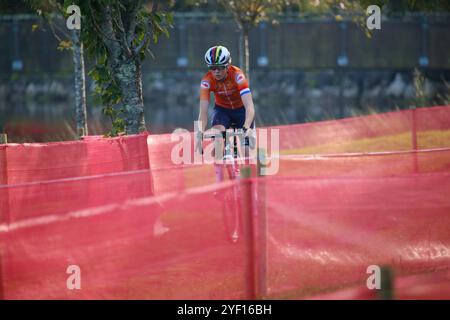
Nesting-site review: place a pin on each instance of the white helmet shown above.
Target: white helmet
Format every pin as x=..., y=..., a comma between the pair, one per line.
x=217, y=56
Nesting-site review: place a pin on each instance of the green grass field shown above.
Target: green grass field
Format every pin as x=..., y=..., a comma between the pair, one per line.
x=201, y=175
x=425, y=140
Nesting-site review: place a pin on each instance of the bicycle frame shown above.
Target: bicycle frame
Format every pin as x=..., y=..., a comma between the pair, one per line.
x=231, y=199
x=226, y=135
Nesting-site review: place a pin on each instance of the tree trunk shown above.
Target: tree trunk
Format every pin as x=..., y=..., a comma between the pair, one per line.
x=341, y=94
x=245, y=53
x=245, y=58
x=128, y=75
x=80, y=84
x=241, y=50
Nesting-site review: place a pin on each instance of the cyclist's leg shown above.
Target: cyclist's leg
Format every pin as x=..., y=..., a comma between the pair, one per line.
x=218, y=166
x=220, y=121
x=239, y=118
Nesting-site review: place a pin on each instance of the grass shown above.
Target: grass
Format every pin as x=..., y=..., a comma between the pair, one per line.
x=369, y=166
x=425, y=140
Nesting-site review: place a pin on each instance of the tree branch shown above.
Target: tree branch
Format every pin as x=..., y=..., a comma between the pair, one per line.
x=107, y=26
x=147, y=31
x=144, y=40
x=117, y=19
x=133, y=21
x=53, y=31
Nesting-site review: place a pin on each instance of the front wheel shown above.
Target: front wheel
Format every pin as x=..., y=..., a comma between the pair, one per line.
x=232, y=214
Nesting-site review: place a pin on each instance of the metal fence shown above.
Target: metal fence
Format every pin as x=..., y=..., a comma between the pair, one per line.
x=292, y=43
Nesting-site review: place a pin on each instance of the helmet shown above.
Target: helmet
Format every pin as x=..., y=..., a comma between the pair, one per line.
x=217, y=56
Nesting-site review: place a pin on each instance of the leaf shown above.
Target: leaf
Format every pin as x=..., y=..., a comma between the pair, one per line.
x=151, y=53
x=108, y=111
x=94, y=74
x=169, y=19
x=65, y=45
x=166, y=32
x=97, y=100
x=34, y=27
x=101, y=58
x=157, y=17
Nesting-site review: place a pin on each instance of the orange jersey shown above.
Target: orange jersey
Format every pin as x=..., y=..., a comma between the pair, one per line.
x=227, y=92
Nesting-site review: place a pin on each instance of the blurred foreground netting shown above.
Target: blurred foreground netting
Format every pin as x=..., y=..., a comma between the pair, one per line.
x=349, y=194
x=166, y=248
x=324, y=233
x=375, y=145
x=320, y=235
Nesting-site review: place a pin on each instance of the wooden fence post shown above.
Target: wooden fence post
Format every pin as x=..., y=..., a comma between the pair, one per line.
x=262, y=225
x=3, y=138
x=4, y=208
x=249, y=231
x=387, y=283
x=414, y=138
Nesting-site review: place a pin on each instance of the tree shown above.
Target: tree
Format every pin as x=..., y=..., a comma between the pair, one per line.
x=247, y=14
x=117, y=34
x=67, y=40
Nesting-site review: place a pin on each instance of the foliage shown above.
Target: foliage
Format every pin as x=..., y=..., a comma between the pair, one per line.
x=248, y=13
x=130, y=28
x=328, y=6
x=419, y=86
x=112, y=31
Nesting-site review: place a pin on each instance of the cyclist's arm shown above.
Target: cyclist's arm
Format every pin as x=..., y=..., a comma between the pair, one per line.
x=249, y=109
x=203, y=114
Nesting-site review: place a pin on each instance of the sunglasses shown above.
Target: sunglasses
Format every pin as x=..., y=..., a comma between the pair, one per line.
x=220, y=68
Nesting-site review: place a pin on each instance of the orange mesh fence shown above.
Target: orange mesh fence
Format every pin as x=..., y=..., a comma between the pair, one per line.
x=168, y=176
x=54, y=197
x=171, y=247
x=348, y=194
x=427, y=286
x=322, y=234
x=349, y=147
x=21, y=163
x=397, y=131
x=382, y=164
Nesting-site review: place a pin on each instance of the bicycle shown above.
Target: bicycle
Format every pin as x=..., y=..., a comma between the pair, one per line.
x=231, y=198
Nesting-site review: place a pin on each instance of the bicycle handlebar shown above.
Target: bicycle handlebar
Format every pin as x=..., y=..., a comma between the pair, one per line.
x=225, y=134
x=234, y=133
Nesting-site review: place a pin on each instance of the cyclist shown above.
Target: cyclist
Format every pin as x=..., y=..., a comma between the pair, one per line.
x=233, y=99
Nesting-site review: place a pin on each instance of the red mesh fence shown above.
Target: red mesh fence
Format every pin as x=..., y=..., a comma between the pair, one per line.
x=29, y=162
x=323, y=233
x=427, y=286
x=54, y=197
x=348, y=194
x=397, y=131
x=352, y=147
x=366, y=165
x=167, y=175
x=163, y=248
x=321, y=236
